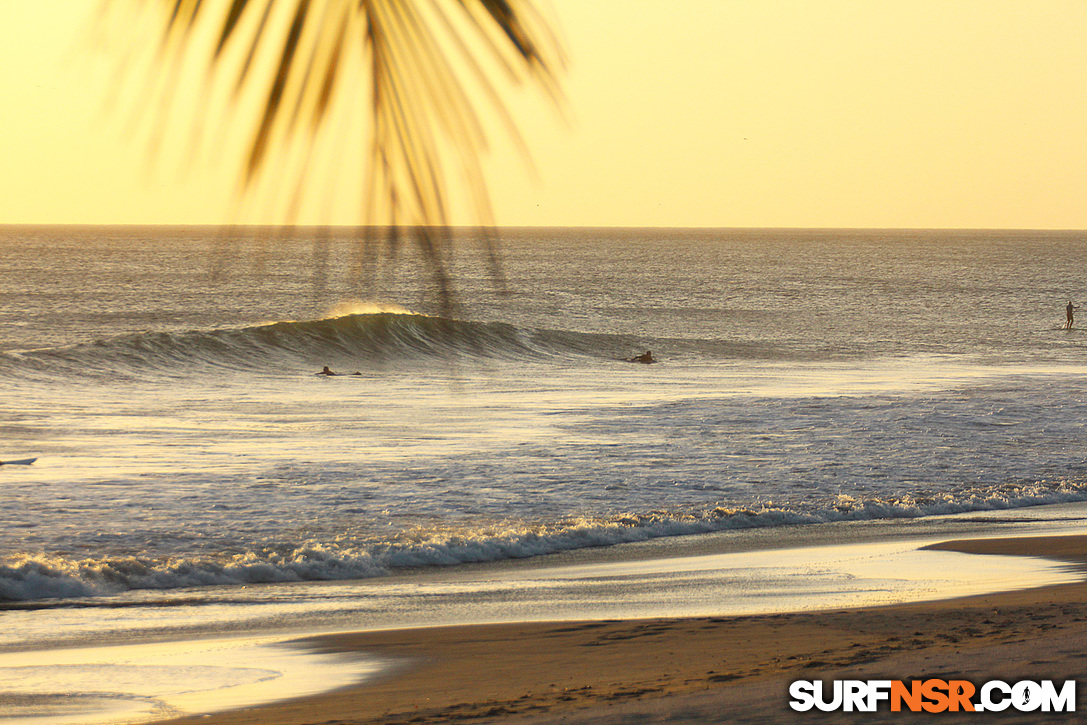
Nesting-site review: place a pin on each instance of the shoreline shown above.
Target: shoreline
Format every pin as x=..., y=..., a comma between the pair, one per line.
x=691, y=669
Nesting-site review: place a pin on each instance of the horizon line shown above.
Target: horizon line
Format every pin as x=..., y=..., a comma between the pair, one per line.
x=455, y=227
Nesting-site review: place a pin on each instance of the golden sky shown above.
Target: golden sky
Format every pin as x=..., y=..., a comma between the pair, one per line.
x=799, y=113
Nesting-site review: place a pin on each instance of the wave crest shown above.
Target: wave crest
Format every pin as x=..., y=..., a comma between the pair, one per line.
x=31, y=578
x=358, y=339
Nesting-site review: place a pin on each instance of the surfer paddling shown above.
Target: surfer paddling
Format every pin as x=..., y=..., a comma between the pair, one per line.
x=1068, y=311
x=326, y=372
x=645, y=358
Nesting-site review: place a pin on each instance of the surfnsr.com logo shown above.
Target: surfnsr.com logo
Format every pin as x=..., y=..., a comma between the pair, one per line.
x=933, y=695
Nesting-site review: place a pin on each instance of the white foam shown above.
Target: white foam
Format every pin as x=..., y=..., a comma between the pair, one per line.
x=366, y=307
x=44, y=577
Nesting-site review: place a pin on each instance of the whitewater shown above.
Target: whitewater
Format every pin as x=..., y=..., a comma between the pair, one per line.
x=165, y=379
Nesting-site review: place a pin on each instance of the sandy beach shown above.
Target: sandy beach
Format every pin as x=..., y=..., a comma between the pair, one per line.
x=707, y=669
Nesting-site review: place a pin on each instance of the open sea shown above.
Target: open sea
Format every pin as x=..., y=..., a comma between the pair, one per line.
x=189, y=460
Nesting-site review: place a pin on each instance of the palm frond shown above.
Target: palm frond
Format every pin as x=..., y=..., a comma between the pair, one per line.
x=425, y=67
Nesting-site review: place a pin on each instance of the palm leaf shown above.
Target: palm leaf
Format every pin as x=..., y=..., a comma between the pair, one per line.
x=425, y=64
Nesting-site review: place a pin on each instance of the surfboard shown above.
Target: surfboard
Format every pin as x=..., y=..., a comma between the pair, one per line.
x=21, y=462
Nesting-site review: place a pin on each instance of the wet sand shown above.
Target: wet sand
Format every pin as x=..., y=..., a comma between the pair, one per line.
x=707, y=669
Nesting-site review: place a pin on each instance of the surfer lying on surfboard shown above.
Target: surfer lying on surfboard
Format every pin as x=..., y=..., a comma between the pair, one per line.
x=646, y=358
x=327, y=372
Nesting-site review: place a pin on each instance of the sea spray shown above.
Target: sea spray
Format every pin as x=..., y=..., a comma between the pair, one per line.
x=37, y=577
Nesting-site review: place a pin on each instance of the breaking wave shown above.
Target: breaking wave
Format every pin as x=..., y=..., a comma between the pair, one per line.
x=371, y=338
x=40, y=577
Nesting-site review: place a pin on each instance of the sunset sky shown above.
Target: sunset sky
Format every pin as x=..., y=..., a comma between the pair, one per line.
x=782, y=113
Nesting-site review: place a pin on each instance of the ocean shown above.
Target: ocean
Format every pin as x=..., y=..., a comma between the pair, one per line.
x=194, y=472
